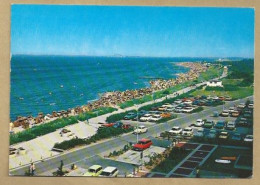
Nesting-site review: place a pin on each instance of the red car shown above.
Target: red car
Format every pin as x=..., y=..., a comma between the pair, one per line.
x=108, y=124
x=143, y=144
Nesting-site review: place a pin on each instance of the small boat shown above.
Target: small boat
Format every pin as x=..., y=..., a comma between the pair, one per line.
x=50, y=93
x=52, y=103
x=21, y=98
x=222, y=161
x=61, y=86
x=82, y=94
x=135, y=83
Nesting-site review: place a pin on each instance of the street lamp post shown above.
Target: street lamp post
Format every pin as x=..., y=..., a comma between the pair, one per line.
x=137, y=122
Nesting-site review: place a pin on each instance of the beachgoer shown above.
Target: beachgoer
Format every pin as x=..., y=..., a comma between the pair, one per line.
x=32, y=169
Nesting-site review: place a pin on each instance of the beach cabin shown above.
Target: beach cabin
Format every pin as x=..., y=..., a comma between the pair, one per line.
x=214, y=83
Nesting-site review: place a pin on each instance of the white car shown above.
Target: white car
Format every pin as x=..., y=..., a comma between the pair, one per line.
x=223, y=135
x=141, y=129
x=231, y=126
x=170, y=109
x=241, y=105
x=178, y=101
x=109, y=171
x=167, y=105
x=225, y=113
x=231, y=109
x=187, y=109
x=248, y=138
x=188, y=102
x=199, y=123
x=187, y=131
x=175, y=130
x=251, y=106
x=146, y=117
x=155, y=117
x=199, y=133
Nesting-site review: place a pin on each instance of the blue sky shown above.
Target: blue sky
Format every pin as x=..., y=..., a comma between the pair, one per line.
x=132, y=31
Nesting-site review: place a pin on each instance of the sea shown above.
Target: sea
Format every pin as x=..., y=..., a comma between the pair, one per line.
x=54, y=83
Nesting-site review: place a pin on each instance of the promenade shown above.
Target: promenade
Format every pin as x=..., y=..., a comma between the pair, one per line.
x=39, y=149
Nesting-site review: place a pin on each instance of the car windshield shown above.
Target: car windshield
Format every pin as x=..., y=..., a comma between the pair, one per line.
x=141, y=142
x=249, y=137
x=104, y=173
x=175, y=128
x=141, y=127
x=92, y=171
x=223, y=134
x=147, y=115
x=187, y=129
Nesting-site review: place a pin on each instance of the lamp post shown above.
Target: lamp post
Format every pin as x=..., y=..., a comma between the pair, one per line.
x=137, y=122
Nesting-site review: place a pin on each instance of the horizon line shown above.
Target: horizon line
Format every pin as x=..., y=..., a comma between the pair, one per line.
x=122, y=56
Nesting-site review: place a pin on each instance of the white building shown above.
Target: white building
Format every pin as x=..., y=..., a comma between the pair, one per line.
x=214, y=83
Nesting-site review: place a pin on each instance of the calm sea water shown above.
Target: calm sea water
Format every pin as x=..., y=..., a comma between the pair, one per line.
x=48, y=83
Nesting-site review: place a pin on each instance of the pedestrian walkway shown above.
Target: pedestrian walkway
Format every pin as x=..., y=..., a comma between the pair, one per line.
x=196, y=158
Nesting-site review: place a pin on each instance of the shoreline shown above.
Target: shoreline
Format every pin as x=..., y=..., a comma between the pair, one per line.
x=112, y=99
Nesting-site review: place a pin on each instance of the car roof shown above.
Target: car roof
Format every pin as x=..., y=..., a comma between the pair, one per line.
x=176, y=127
x=109, y=169
x=94, y=167
x=145, y=139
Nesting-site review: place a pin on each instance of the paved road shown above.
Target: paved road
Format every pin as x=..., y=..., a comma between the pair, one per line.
x=117, y=142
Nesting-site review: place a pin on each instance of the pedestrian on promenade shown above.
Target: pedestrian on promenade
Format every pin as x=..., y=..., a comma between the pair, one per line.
x=32, y=169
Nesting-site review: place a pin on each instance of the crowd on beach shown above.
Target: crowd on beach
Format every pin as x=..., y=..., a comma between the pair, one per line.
x=112, y=99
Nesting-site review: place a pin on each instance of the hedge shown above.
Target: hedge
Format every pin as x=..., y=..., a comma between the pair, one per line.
x=52, y=126
x=102, y=133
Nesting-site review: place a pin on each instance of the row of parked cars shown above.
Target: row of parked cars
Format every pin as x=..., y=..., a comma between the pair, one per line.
x=98, y=171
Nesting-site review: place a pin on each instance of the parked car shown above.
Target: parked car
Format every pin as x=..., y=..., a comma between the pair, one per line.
x=208, y=124
x=187, y=109
x=155, y=117
x=118, y=124
x=141, y=129
x=170, y=109
x=93, y=171
x=199, y=123
x=166, y=115
x=235, y=113
x=236, y=137
x=175, y=130
x=178, y=101
x=243, y=122
x=178, y=109
x=241, y=105
x=188, y=102
x=130, y=115
x=251, y=106
x=199, y=133
x=162, y=108
x=212, y=134
x=220, y=124
x=142, y=144
x=107, y=124
x=223, y=135
x=231, y=109
x=228, y=98
x=225, y=113
x=231, y=126
x=167, y=105
x=248, y=138
x=187, y=131
x=109, y=171
x=146, y=117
